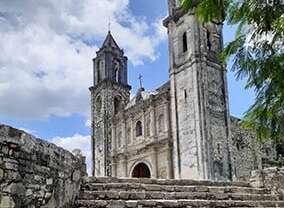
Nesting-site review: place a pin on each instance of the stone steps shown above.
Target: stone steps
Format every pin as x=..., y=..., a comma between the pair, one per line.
x=172, y=188
x=146, y=193
x=183, y=182
x=175, y=203
x=128, y=195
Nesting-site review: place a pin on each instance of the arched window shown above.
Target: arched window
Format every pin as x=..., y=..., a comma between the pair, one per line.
x=99, y=70
x=98, y=105
x=161, y=123
x=138, y=128
x=117, y=105
x=184, y=42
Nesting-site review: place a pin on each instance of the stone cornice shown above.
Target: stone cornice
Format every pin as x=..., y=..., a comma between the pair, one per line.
x=105, y=82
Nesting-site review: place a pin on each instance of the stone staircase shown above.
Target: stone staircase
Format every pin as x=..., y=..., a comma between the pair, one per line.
x=146, y=193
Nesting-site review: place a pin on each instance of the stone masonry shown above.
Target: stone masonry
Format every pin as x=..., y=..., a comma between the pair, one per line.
x=35, y=173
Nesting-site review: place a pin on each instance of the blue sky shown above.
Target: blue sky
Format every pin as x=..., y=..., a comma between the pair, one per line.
x=59, y=47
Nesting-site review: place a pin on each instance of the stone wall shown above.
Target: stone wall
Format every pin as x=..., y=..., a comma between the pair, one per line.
x=270, y=178
x=246, y=151
x=35, y=173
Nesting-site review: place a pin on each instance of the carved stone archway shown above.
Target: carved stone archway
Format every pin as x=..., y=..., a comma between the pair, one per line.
x=141, y=170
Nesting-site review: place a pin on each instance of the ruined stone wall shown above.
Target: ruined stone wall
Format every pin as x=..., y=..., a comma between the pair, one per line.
x=246, y=152
x=35, y=173
x=270, y=178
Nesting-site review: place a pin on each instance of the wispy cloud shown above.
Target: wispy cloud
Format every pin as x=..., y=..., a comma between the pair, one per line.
x=47, y=47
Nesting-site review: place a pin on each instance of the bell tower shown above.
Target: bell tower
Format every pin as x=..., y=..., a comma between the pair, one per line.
x=109, y=96
x=199, y=98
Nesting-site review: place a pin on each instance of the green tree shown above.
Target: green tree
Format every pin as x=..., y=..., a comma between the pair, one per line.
x=257, y=53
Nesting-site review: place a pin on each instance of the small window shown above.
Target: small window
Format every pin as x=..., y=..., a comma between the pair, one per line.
x=99, y=68
x=117, y=105
x=184, y=42
x=99, y=76
x=185, y=95
x=208, y=40
x=138, y=128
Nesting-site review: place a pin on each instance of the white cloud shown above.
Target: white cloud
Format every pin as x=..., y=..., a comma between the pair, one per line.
x=45, y=62
x=76, y=142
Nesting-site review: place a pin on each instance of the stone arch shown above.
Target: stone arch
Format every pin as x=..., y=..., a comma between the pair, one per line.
x=140, y=169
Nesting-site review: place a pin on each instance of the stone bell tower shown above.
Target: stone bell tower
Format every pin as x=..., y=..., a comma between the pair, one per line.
x=199, y=98
x=109, y=95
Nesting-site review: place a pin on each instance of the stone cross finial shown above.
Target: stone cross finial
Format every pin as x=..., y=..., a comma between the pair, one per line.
x=109, y=24
x=140, y=80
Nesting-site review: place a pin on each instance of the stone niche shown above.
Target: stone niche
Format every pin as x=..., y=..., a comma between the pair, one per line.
x=35, y=173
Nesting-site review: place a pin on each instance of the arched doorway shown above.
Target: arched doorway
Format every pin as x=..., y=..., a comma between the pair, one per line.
x=141, y=170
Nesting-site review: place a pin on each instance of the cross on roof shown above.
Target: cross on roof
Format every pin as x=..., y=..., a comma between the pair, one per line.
x=140, y=80
x=109, y=25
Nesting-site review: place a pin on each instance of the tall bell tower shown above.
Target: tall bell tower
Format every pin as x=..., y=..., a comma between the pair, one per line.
x=109, y=95
x=199, y=98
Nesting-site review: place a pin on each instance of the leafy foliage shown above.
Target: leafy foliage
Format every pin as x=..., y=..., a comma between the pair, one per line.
x=257, y=54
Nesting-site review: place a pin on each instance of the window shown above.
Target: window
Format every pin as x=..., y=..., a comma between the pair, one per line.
x=161, y=123
x=138, y=128
x=208, y=40
x=116, y=104
x=99, y=76
x=184, y=42
x=185, y=95
x=98, y=105
x=99, y=68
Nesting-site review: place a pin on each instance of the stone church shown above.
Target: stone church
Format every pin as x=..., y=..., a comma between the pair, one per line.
x=183, y=129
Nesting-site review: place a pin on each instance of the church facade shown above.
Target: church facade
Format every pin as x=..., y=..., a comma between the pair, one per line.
x=183, y=129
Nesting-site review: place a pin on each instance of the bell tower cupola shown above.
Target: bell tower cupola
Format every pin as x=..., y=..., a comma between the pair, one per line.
x=110, y=63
